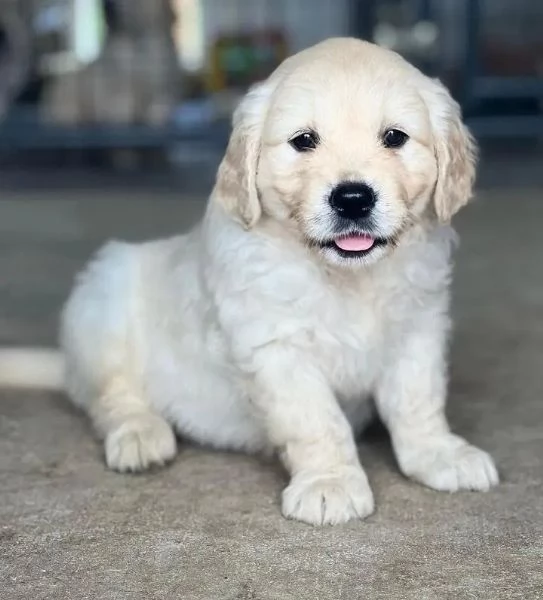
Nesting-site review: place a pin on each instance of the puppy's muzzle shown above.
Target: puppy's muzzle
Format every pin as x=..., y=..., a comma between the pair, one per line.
x=353, y=200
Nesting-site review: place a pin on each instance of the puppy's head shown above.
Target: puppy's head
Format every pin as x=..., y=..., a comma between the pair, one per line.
x=347, y=146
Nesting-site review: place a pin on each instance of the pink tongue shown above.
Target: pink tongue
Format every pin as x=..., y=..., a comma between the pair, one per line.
x=355, y=243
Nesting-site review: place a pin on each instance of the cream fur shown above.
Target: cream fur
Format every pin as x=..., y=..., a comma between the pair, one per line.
x=242, y=334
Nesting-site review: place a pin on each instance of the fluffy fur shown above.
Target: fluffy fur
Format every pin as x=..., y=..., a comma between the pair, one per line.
x=251, y=333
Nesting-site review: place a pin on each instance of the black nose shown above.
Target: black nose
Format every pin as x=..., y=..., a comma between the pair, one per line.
x=352, y=200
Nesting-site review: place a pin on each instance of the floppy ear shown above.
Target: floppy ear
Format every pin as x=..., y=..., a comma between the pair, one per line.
x=235, y=188
x=456, y=154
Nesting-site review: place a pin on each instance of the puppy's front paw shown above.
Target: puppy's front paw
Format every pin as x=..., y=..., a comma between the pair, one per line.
x=328, y=498
x=449, y=464
x=139, y=443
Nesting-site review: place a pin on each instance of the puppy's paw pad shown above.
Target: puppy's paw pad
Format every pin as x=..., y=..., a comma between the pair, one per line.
x=140, y=443
x=454, y=465
x=328, y=498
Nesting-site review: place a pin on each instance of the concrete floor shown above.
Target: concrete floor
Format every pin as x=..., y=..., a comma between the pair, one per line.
x=209, y=526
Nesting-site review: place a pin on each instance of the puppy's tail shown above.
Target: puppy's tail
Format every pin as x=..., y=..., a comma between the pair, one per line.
x=31, y=368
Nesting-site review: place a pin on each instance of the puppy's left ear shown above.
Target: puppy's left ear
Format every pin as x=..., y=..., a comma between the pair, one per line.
x=236, y=188
x=456, y=153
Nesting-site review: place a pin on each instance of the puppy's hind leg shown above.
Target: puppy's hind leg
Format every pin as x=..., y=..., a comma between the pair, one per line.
x=135, y=436
x=103, y=347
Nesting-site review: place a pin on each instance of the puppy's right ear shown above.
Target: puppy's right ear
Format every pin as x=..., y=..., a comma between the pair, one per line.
x=456, y=152
x=235, y=188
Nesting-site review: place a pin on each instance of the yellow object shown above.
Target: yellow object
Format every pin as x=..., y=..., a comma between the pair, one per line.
x=238, y=60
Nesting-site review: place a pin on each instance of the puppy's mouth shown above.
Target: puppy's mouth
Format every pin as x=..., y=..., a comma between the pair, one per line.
x=355, y=245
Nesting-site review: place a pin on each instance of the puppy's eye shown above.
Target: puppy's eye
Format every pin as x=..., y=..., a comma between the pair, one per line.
x=303, y=142
x=395, y=138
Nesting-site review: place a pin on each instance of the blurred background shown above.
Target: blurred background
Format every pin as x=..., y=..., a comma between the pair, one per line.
x=114, y=114
x=125, y=83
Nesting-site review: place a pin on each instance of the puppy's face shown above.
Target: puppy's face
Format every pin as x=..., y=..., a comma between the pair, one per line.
x=353, y=146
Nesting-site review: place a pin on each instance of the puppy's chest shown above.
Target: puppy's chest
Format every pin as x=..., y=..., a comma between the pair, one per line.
x=351, y=337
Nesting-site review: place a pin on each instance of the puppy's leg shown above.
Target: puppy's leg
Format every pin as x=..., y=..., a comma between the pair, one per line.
x=135, y=436
x=102, y=335
x=411, y=402
x=314, y=440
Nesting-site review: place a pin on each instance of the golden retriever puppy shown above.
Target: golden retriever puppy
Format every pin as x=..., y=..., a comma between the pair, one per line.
x=317, y=280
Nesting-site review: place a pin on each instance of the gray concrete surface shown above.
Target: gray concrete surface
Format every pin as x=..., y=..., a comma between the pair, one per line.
x=208, y=527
